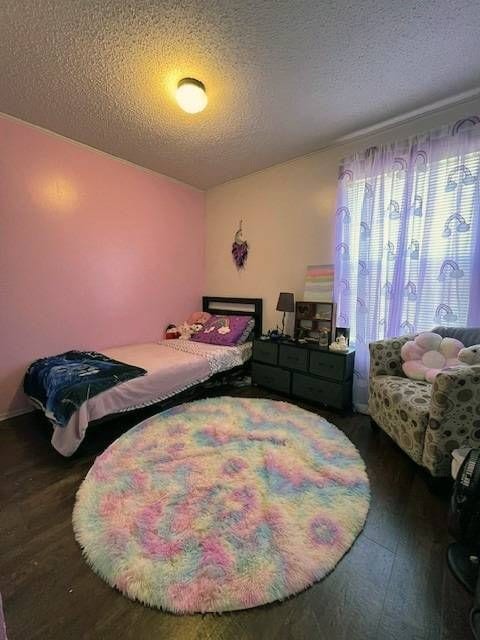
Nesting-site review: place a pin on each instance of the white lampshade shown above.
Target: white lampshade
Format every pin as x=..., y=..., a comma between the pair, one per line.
x=191, y=95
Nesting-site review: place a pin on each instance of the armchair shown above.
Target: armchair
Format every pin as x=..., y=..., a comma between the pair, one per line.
x=426, y=420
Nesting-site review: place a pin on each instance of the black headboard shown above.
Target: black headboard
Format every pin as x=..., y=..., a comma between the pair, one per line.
x=236, y=307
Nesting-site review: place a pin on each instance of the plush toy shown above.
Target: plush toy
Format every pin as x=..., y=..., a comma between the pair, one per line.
x=185, y=331
x=470, y=355
x=172, y=332
x=193, y=325
x=196, y=327
x=199, y=317
x=428, y=354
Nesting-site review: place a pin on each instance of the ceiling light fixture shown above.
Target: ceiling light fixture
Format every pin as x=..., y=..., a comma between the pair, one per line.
x=191, y=95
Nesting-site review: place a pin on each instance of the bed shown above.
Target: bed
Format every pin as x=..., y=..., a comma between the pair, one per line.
x=171, y=366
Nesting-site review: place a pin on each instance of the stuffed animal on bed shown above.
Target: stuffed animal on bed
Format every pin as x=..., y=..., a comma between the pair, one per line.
x=470, y=355
x=196, y=327
x=199, y=317
x=428, y=354
x=194, y=324
x=172, y=333
x=185, y=331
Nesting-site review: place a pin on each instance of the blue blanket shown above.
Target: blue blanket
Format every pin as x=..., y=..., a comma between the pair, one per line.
x=61, y=384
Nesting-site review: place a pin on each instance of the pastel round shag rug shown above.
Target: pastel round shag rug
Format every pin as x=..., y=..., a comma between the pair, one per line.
x=222, y=504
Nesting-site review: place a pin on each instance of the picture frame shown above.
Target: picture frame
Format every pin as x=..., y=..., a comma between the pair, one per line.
x=343, y=331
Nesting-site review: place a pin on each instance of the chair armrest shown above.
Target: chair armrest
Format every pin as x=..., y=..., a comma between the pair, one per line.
x=385, y=358
x=454, y=416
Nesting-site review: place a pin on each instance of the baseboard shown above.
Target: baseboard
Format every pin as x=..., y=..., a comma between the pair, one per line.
x=16, y=412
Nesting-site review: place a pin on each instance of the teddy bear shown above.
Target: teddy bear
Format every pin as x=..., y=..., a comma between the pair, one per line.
x=185, y=331
x=470, y=355
x=194, y=324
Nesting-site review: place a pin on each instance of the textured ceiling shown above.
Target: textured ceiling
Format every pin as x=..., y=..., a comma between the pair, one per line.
x=284, y=77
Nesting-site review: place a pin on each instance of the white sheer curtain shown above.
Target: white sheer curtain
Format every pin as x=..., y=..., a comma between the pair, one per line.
x=407, y=254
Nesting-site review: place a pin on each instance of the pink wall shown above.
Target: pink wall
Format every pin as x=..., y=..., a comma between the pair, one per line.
x=94, y=252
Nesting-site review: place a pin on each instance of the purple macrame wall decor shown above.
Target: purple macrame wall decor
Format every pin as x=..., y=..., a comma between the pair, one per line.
x=239, y=249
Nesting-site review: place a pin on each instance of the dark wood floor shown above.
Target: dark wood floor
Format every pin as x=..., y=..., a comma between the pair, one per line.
x=392, y=585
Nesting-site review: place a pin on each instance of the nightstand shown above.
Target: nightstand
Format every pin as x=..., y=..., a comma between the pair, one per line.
x=304, y=371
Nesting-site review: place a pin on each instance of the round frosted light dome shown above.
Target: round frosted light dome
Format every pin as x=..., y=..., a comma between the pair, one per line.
x=191, y=95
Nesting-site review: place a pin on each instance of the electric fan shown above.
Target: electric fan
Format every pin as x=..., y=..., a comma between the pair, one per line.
x=464, y=524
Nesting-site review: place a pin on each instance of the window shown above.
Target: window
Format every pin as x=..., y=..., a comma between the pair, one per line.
x=407, y=254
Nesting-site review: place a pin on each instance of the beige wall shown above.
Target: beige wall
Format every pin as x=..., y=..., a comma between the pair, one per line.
x=288, y=218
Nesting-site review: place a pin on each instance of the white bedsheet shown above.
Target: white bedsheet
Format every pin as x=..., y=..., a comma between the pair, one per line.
x=219, y=358
x=172, y=366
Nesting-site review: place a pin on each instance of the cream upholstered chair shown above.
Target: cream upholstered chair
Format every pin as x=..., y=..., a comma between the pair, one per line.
x=426, y=420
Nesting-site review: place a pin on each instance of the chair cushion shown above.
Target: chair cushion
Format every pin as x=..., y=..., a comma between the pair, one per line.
x=401, y=408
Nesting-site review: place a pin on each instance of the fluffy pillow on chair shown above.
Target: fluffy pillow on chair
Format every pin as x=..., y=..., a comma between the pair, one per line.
x=428, y=354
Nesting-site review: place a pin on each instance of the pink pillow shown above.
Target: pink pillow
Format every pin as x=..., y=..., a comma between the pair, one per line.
x=222, y=330
x=199, y=317
x=429, y=354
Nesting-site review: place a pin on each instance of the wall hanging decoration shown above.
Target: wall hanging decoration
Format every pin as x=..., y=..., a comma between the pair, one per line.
x=239, y=248
x=319, y=283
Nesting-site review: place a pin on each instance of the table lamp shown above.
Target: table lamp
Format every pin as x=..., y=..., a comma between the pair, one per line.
x=286, y=303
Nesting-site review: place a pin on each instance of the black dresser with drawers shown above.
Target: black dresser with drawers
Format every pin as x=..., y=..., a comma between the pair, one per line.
x=305, y=371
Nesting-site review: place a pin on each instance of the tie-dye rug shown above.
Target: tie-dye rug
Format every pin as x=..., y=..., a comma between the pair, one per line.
x=222, y=504
x=3, y=628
